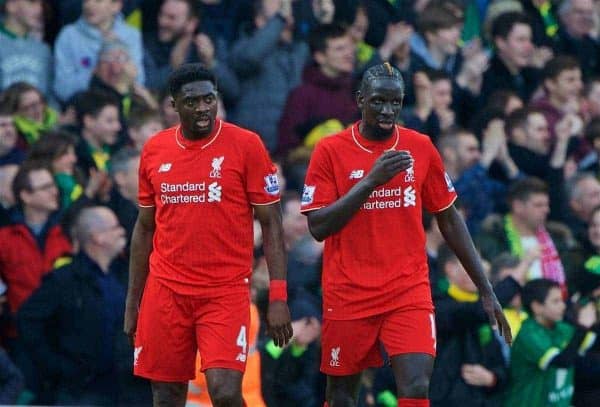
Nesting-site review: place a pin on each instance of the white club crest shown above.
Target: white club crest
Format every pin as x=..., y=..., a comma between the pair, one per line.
x=335, y=357
x=216, y=167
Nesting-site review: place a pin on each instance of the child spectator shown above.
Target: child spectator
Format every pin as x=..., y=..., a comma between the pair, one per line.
x=545, y=351
x=98, y=116
x=143, y=124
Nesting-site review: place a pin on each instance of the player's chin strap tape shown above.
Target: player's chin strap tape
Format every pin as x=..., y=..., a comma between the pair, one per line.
x=278, y=290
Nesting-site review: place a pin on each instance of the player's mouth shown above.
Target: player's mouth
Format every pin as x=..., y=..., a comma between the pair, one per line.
x=202, y=122
x=386, y=124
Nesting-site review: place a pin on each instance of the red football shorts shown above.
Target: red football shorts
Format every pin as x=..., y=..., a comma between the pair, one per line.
x=172, y=328
x=351, y=346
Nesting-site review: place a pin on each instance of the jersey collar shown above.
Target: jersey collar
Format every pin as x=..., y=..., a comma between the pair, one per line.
x=370, y=146
x=198, y=144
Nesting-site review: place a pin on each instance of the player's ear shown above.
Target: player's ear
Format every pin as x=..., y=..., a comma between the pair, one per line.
x=360, y=99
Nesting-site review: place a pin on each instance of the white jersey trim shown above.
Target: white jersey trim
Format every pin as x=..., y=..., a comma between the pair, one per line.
x=369, y=151
x=178, y=131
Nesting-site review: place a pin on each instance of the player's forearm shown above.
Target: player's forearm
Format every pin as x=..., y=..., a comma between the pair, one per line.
x=331, y=219
x=457, y=236
x=274, y=249
x=141, y=247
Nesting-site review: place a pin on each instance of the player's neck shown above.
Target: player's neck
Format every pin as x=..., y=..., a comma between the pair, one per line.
x=191, y=136
x=372, y=134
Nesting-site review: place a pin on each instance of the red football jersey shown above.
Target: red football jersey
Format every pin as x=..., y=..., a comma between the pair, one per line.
x=203, y=192
x=377, y=262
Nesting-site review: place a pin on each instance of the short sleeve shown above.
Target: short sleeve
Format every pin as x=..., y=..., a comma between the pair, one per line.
x=146, y=192
x=319, y=185
x=262, y=183
x=438, y=190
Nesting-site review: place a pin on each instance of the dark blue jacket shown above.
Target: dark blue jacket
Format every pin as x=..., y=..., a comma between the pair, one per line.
x=65, y=326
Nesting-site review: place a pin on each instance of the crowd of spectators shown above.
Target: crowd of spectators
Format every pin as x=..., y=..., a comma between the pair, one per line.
x=508, y=90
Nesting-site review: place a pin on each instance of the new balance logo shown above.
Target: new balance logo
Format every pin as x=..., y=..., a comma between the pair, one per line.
x=241, y=357
x=164, y=167
x=136, y=355
x=357, y=174
x=214, y=192
x=335, y=357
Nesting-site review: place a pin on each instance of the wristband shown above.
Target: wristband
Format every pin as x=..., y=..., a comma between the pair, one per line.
x=277, y=290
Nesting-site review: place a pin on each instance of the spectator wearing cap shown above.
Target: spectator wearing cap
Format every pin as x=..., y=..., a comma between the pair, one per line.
x=77, y=46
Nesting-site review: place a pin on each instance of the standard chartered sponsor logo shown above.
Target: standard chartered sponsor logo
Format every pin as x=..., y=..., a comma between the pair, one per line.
x=410, y=197
x=189, y=192
x=386, y=198
x=214, y=192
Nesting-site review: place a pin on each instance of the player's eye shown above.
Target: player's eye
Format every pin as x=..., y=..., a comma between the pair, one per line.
x=209, y=98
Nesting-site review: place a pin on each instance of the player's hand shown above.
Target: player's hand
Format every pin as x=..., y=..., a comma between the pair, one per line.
x=388, y=165
x=279, y=323
x=130, y=323
x=498, y=321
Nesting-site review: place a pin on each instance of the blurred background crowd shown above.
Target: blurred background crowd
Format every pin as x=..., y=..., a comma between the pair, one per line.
x=508, y=90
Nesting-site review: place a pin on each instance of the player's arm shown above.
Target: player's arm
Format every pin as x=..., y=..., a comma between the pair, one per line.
x=457, y=236
x=328, y=220
x=141, y=246
x=278, y=315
